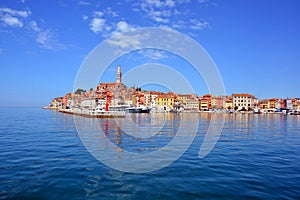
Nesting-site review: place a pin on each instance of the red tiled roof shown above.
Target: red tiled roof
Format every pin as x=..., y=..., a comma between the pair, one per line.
x=242, y=95
x=108, y=84
x=165, y=96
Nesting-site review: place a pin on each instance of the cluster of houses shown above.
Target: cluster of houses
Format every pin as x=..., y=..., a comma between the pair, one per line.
x=116, y=96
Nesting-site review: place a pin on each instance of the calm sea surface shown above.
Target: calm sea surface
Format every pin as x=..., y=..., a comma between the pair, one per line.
x=42, y=157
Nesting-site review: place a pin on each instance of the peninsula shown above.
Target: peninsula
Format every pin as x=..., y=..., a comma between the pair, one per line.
x=114, y=99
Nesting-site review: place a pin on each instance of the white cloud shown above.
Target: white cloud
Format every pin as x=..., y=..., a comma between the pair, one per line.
x=34, y=26
x=110, y=12
x=16, y=13
x=153, y=54
x=170, y=3
x=183, y=1
x=203, y=1
x=21, y=19
x=98, y=14
x=84, y=3
x=9, y=20
x=11, y=17
x=97, y=25
x=47, y=40
x=180, y=24
x=44, y=37
x=101, y=22
x=122, y=26
x=193, y=24
x=126, y=41
x=177, y=12
x=152, y=3
x=198, y=25
x=159, y=11
x=85, y=17
x=1, y=50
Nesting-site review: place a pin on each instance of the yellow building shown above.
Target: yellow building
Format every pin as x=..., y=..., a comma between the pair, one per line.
x=165, y=101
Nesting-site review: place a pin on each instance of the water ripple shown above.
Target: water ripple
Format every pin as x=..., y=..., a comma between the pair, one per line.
x=42, y=157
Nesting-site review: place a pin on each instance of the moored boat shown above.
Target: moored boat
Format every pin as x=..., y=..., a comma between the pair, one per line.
x=134, y=110
x=138, y=110
x=146, y=110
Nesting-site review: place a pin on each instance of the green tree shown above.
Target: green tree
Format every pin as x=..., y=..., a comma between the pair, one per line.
x=243, y=109
x=80, y=91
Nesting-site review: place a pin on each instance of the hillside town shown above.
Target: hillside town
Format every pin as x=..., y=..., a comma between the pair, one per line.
x=116, y=96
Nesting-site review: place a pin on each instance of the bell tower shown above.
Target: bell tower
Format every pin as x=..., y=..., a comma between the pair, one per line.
x=119, y=75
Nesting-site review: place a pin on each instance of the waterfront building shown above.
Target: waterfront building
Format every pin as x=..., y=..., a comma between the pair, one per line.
x=228, y=103
x=244, y=101
x=165, y=101
x=153, y=97
x=191, y=104
x=282, y=104
x=147, y=99
x=298, y=105
x=289, y=104
x=295, y=104
x=272, y=103
x=56, y=102
x=205, y=102
x=178, y=104
x=218, y=102
x=264, y=104
x=88, y=103
x=182, y=98
x=187, y=102
x=278, y=104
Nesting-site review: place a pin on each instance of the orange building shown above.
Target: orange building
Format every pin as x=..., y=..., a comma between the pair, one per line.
x=205, y=102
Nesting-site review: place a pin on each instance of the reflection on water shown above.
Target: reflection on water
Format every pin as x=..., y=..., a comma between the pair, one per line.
x=149, y=132
x=122, y=142
x=256, y=157
x=140, y=132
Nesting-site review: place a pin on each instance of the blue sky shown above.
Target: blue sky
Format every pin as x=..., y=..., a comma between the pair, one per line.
x=255, y=44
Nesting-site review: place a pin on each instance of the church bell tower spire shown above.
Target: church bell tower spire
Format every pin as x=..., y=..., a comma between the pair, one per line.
x=119, y=75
